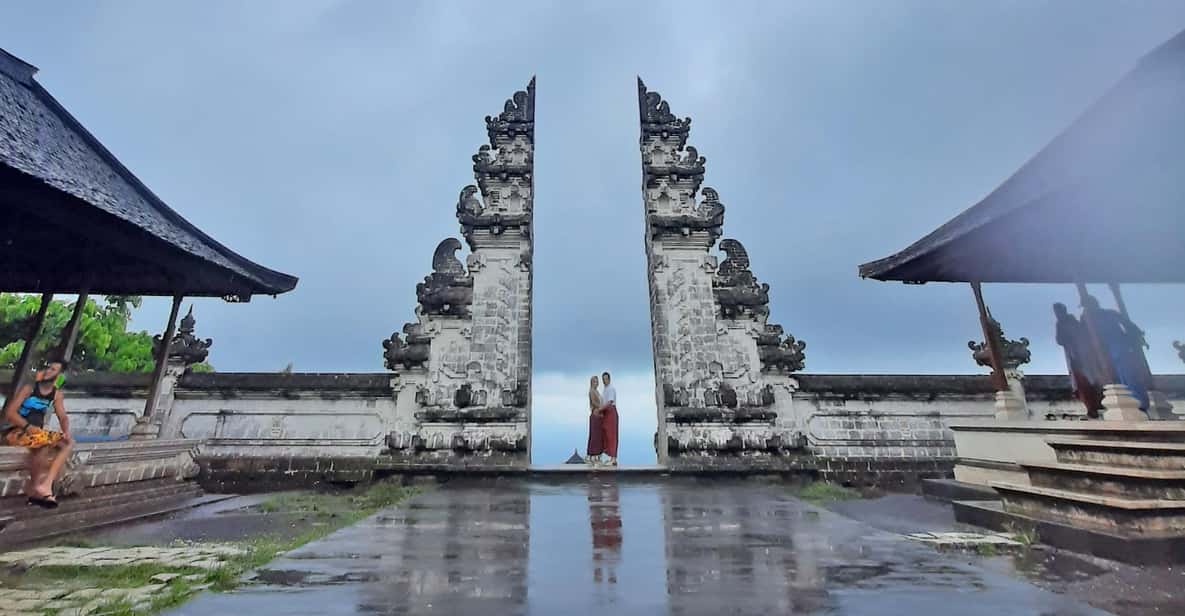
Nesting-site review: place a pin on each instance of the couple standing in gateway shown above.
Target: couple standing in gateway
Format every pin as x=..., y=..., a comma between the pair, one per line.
x=602, y=421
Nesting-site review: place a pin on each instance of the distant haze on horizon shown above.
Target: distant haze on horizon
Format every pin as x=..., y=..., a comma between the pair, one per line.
x=330, y=140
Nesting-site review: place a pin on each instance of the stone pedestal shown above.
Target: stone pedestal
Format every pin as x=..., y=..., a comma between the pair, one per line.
x=1120, y=405
x=144, y=429
x=1017, y=387
x=1009, y=407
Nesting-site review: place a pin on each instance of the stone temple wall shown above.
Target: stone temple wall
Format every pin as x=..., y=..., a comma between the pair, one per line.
x=463, y=366
x=891, y=430
x=263, y=430
x=722, y=370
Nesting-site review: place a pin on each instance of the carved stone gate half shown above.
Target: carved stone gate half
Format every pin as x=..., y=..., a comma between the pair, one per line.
x=463, y=366
x=722, y=372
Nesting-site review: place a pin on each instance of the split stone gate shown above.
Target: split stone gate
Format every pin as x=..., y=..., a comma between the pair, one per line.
x=463, y=365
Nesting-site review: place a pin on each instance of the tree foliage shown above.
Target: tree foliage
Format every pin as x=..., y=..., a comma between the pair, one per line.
x=104, y=343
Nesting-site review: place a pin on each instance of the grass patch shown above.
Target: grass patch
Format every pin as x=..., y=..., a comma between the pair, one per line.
x=330, y=510
x=112, y=576
x=1023, y=534
x=823, y=492
x=986, y=549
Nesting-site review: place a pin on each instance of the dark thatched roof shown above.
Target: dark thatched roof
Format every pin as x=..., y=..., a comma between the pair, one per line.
x=70, y=211
x=1103, y=202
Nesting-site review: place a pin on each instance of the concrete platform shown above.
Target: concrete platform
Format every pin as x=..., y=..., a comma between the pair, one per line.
x=541, y=470
x=676, y=545
x=1122, y=547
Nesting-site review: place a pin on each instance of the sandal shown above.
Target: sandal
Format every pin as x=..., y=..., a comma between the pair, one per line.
x=45, y=502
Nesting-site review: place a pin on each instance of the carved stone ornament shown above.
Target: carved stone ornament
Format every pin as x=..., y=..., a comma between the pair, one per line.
x=736, y=289
x=690, y=167
x=411, y=351
x=186, y=348
x=517, y=397
x=672, y=396
x=486, y=167
x=725, y=396
x=780, y=351
x=706, y=216
x=1014, y=352
x=473, y=216
x=657, y=119
x=448, y=291
x=517, y=117
x=463, y=397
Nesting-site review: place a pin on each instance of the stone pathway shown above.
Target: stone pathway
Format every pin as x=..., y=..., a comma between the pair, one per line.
x=197, y=556
x=966, y=541
x=614, y=545
x=70, y=600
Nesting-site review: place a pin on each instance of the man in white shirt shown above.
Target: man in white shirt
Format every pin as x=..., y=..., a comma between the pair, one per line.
x=609, y=417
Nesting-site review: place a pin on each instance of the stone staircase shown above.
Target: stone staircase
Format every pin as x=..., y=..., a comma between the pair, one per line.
x=1121, y=499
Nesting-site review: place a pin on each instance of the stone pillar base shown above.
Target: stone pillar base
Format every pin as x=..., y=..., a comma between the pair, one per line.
x=1120, y=405
x=145, y=429
x=1009, y=408
x=1160, y=408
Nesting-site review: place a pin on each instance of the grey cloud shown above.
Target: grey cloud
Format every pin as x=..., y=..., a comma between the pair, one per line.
x=331, y=139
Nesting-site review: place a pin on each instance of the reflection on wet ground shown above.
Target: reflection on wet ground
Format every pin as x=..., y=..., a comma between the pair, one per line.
x=611, y=545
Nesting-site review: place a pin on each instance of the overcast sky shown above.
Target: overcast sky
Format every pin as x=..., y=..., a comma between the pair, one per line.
x=330, y=139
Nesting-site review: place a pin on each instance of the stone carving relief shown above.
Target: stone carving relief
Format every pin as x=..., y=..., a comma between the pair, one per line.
x=186, y=349
x=448, y=290
x=706, y=216
x=737, y=291
x=475, y=216
x=779, y=351
x=1015, y=352
x=409, y=351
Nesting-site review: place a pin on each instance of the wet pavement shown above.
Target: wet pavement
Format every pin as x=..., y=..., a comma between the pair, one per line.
x=614, y=545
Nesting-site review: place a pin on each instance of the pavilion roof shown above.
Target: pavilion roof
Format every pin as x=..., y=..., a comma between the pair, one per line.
x=73, y=212
x=1103, y=202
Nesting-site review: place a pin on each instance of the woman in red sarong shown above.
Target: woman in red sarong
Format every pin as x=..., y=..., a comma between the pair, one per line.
x=596, y=433
x=609, y=419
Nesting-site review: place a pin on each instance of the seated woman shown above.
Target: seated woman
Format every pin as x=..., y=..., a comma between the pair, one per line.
x=24, y=418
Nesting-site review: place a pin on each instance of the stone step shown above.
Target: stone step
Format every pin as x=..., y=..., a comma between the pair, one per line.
x=1138, y=516
x=85, y=515
x=1122, y=546
x=1123, y=481
x=953, y=489
x=17, y=505
x=82, y=507
x=1139, y=454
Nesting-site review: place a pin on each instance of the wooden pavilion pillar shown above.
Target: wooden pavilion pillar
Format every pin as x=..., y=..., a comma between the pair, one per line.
x=1159, y=406
x=70, y=333
x=1008, y=407
x=1118, y=402
x=146, y=427
x=22, y=363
